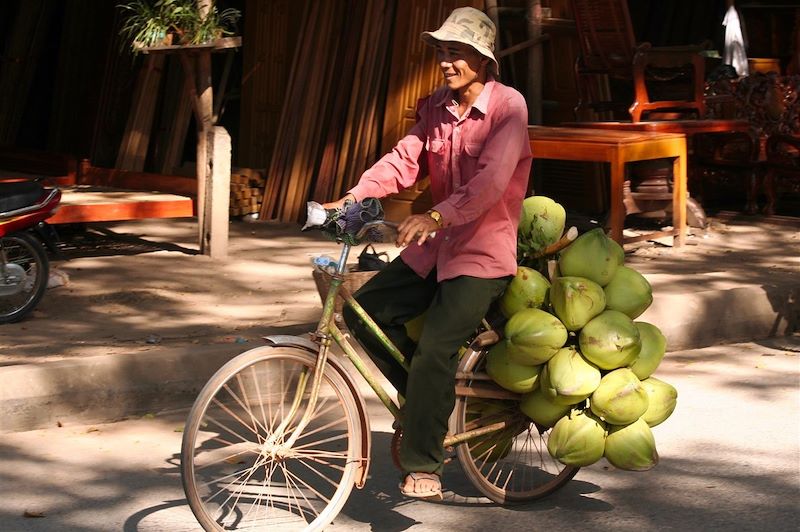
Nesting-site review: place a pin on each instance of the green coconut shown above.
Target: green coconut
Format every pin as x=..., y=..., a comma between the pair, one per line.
x=592, y=255
x=541, y=223
x=537, y=406
x=631, y=447
x=533, y=336
x=662, y=398
x=577, y=439
x=508, y=374
x=610, y=340
x=628, y=292
x=620, y=398
x=654, y=345
x=576, y=300
x=528, y=289
x=570, y=377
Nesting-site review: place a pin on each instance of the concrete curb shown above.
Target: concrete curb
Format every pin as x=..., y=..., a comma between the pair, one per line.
x=724, y=316
x=106, y=388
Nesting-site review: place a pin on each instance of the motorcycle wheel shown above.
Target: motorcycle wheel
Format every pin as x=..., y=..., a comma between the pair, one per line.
x=23, y=275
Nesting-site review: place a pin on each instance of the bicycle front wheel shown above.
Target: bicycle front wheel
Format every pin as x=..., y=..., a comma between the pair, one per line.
x=239, y=471
x=511, y=465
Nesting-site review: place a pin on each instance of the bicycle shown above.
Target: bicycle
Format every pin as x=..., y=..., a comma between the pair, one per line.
x=280, y=434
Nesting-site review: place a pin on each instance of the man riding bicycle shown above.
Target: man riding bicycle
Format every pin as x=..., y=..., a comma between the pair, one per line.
x=461, y=254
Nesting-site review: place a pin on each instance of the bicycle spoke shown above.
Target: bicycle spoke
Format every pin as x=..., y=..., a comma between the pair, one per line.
x=260, y=402
x=225, y=459
x=246, y=407
x=326, y=440
x=253, y=429
x=323, y=477
x=319, y=429
x=228, y=430
x=288, y=474
x=307, y=485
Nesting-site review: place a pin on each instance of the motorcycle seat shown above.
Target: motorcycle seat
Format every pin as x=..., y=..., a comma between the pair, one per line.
x=18, y=194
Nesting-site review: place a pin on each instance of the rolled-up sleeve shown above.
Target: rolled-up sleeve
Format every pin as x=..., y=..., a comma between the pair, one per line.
x=398, y=169
x=506, y=144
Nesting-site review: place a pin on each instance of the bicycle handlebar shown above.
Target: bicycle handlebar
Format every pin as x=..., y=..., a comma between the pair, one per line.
x=378, y=232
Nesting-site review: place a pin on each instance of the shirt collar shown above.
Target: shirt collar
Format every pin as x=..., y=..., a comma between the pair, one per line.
x=481, y=103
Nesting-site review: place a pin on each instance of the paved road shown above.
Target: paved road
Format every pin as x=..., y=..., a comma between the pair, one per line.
x=730, y=460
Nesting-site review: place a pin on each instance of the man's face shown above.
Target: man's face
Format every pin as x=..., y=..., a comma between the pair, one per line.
x=461, y=64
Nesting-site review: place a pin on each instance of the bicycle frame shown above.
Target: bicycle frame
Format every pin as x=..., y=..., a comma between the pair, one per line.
x=327, y=331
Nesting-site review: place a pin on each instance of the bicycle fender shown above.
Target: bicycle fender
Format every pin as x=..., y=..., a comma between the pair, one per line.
x=287, y=340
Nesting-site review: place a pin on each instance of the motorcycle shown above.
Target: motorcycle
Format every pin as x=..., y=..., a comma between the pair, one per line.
x=24, y=266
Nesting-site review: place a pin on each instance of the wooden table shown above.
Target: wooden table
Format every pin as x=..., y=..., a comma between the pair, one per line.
x=687, y=127
x=618, y=148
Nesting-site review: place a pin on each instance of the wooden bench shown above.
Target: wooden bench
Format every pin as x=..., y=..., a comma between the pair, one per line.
x=619, y=148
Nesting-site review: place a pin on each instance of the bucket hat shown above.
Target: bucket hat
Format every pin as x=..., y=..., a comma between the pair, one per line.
x=466, y=25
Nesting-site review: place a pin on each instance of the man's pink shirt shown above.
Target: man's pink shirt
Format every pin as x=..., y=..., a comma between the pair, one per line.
x=479, y=165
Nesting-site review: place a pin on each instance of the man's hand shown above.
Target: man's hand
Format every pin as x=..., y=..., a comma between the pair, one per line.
x=416, y=226
x=339, y=203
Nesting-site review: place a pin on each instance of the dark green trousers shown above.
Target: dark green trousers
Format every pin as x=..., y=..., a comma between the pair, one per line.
x=455, y=308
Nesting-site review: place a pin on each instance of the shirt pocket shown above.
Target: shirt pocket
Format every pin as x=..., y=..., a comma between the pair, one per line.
x=469, y=160
x=437, y=157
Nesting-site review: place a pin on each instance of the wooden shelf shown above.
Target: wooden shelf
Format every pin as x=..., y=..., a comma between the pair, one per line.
x=224, y=43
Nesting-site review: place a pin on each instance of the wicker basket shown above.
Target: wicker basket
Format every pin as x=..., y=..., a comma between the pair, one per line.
x=353, y=280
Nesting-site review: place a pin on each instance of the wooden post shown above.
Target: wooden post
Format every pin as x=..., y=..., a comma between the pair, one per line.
x=217, y=194
x=204, y=162
x=534, y=84
x=205, y=108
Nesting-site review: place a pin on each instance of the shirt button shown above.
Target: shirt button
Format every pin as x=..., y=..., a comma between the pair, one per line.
x=447, y=238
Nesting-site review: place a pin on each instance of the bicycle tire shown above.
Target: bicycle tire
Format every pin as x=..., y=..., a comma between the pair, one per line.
x=274, y=481
x=511, y=469
x=24, y=250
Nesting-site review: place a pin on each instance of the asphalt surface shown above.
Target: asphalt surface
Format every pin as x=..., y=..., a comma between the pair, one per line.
x=730, y=460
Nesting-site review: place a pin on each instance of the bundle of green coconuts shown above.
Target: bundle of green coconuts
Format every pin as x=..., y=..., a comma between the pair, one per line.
x=571, y=347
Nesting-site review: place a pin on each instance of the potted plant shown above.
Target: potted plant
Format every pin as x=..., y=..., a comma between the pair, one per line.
x=167, y=22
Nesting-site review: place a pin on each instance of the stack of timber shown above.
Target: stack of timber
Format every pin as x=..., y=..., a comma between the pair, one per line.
x=247, y=186
x=330, y=124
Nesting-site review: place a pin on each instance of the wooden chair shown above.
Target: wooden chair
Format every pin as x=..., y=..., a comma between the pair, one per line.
x=771, y=105
x=782, y=168
x=609, y=53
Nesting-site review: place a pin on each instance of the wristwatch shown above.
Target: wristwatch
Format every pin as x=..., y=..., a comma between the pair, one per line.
x=437, y=217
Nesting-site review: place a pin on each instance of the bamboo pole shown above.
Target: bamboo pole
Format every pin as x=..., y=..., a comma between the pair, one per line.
x=493, y=13
x=534, y=82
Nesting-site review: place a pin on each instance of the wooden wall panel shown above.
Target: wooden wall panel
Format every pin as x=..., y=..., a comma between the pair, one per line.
x=558, y=79
x=270, y=37
x=24, y=46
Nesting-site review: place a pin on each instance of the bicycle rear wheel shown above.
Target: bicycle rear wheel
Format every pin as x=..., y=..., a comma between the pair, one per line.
x=238, y=471
x=511, y=465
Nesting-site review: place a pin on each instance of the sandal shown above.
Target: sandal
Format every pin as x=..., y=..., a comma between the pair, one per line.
x=425, y=486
